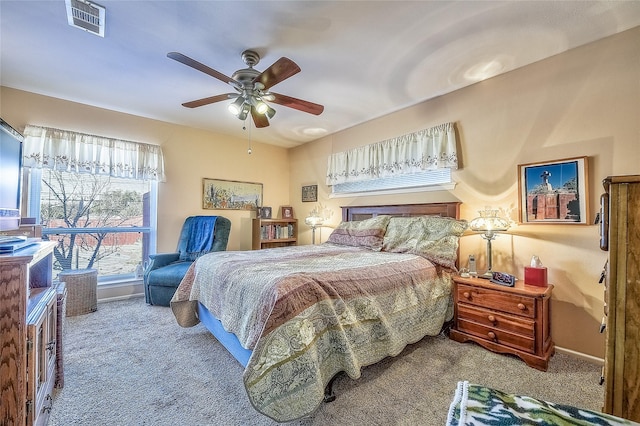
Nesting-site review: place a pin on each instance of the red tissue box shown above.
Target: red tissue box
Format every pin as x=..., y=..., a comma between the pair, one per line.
x=535, y=276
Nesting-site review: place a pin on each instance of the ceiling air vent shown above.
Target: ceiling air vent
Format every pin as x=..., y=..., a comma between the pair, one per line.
x=86, y=16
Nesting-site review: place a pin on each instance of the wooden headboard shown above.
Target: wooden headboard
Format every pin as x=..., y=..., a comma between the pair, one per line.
x=452, y=209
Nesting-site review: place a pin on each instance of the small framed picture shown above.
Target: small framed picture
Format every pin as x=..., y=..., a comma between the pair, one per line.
x=287, y=212
x=310, y=193
x=264, y=213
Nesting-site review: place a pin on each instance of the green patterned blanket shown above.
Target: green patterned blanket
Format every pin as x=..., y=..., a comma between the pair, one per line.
x=475, y=405
x=310, y=312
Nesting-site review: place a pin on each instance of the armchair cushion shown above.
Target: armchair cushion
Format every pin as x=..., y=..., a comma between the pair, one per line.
x=168, y=275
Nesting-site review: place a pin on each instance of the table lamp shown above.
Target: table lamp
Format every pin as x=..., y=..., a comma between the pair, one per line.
x=488, y=223
x=313, y=222
x=316, y=218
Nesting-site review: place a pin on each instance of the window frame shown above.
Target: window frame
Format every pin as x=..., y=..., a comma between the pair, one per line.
x=32, y=178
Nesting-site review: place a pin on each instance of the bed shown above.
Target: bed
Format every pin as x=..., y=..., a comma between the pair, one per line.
x=295, y=317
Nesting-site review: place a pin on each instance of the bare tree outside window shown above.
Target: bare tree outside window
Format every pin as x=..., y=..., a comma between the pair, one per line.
x=98, y=204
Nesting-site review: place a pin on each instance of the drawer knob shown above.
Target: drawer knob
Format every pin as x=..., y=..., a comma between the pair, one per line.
x=521, y=306
x=491, y=335
x=491, y=318
x=466, y=295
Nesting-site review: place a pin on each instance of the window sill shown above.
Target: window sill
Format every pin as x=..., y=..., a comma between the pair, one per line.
x=442, y=187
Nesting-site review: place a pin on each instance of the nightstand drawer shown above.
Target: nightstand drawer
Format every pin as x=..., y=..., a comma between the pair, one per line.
x=498, y=300
x=497, y=336
x=519, y=325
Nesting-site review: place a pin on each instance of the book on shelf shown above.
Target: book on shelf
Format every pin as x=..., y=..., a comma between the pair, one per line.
x=274, y=232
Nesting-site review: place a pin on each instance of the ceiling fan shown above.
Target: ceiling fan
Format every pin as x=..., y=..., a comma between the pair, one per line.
x=252, y=88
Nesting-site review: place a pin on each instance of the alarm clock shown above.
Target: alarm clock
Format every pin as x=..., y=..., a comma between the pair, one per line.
x=503, y=278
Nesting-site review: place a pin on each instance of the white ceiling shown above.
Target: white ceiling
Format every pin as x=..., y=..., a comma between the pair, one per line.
x=360, y=59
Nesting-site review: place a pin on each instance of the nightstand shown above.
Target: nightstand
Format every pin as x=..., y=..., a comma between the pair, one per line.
x=512, y=320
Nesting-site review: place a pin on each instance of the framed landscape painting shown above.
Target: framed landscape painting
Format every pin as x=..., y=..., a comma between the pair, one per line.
x=554, y=192
x=231, y=194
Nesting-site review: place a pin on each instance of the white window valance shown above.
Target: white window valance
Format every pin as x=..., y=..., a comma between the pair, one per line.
x=47, y=148
x=426, y=149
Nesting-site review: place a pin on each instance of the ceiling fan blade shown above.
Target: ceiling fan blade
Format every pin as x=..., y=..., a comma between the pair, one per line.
x=260, y=120
x=280, y=70
x=202, y=67
x=209, y=100
x=299, y=104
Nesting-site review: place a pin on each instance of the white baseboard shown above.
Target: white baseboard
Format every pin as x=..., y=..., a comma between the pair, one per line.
x=589, y=358
x=120, y=290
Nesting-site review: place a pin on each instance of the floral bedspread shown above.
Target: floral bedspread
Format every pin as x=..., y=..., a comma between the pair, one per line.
x=310, y=312
x=475, y=405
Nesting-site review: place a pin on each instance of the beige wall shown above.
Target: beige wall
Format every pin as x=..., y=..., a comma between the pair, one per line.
x=582, y=103
x=190, y=155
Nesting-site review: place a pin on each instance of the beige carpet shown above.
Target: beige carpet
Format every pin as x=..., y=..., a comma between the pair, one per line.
x=131, y=364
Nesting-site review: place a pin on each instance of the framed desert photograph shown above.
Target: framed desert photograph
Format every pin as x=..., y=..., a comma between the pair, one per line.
x=554, y=192
x=231, y=194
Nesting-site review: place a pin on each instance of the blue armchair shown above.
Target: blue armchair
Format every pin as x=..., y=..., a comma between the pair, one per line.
x=200, y=235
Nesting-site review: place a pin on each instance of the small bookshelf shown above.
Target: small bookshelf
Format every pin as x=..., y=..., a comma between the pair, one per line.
x=270, y=233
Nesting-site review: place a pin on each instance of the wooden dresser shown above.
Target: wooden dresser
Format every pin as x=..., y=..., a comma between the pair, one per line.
x=512, y=320
x=27, y=335
x=620, y=218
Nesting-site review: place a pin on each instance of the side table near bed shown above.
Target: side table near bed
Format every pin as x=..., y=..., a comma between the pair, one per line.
x=512, y=320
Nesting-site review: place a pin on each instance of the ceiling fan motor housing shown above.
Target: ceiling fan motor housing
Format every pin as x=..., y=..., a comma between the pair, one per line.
x=250, y=58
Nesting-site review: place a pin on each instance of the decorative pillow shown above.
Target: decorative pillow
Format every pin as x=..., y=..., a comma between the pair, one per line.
x=368, y=233
x=432, y=237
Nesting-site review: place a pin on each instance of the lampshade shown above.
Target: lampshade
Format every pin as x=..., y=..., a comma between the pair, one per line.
x=314, y=221
x=245, y=111
x=270, y=112
x=236, y=106
x=489, y=221
x=260, y=106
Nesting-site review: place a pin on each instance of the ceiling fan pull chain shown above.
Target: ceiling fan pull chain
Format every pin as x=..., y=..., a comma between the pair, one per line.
x=245, y=127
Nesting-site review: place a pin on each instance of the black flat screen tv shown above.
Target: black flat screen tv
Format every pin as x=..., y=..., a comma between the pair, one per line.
x=10, y=176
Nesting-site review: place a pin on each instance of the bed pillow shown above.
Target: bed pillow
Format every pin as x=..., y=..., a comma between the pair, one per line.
x=368, y=233
x=432, y=237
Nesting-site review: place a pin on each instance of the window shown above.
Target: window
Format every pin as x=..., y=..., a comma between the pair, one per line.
x=429, y=180
x=95, y=196
x=418, y=161
x=99, y=222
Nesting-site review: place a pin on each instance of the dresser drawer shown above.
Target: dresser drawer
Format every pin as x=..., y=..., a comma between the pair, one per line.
x=497, y=336
x=513, y=324
x=498, y=300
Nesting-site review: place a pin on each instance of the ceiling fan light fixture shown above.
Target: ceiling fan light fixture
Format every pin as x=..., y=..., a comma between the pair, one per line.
x=270, y=112
x=236, y=106
x=245, y=111
x=260, y=106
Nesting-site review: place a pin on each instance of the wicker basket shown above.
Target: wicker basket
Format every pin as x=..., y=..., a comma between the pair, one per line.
x=81, y=290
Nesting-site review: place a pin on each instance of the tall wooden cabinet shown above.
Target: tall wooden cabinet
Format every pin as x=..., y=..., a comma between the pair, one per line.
x=27, y=335
x=620, y=234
